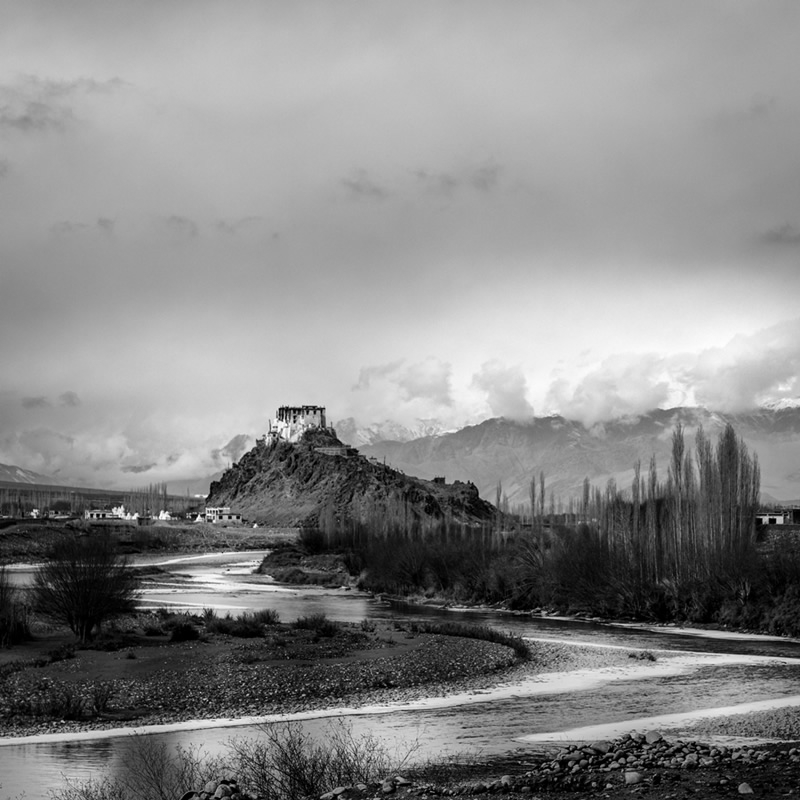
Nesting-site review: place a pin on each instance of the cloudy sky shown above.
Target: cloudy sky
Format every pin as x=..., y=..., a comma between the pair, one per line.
x=398, y=210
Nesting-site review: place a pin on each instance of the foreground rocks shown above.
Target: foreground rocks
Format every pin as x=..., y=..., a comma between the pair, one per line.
x=633, y=764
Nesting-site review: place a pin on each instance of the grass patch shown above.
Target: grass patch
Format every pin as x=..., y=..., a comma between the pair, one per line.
x=248, y=625
x=482, y=632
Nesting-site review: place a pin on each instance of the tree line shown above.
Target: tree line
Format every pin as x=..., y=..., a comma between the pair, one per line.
x=20, y=500
x=674, y=545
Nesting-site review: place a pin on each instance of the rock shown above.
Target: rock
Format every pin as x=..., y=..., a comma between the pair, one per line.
x=223, y=790
x=651, y=737
x=387, y=787
x=632, y=778
x=600, y=747
x=745, y=788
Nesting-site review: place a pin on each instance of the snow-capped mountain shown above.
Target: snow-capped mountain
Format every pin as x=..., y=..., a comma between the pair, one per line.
x=9, y=473
x=350, y=432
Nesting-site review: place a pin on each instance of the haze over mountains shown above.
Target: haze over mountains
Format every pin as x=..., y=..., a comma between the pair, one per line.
x=566, y=451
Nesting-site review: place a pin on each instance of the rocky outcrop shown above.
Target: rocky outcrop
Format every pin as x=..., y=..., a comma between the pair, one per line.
x=297, y=484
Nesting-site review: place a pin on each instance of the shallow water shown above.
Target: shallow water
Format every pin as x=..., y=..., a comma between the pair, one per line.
x=492, y=725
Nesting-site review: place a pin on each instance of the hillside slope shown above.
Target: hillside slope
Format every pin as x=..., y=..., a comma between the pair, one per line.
x=293, y=484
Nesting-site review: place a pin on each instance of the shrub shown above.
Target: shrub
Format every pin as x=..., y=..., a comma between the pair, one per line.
x=62, y=653
x=318, y=623
x=246, y=625
x=286, y=762
x=184, y=632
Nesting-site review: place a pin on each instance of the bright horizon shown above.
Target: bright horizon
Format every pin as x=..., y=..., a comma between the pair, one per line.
x=455, y=211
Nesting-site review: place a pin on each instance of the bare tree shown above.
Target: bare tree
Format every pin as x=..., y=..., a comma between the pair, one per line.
x=83, y=583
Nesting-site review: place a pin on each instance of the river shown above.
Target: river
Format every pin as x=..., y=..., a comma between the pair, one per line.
x=704, y=672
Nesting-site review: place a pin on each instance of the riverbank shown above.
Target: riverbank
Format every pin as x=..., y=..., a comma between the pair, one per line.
x=285, y=671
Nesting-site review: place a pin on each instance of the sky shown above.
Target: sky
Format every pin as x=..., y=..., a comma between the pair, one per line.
x=446, y=210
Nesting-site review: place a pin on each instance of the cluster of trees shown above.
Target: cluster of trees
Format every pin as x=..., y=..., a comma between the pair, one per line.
x=681, y=547
x=20, y=500
x=82, y=583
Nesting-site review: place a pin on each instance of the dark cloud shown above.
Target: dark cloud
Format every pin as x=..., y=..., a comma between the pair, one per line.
x=505, y=389
x=437, y=182
x=760, y=107
x=34, y=116
x=782, y=235
x=360, y=185
x=69, y=399
x=182, y=226
x=485, y=178
x=35, y=402
x=5, y=167
x=234, y=226
x=138, y=468
x=66, y=227
x=34, y=104
x=106, y=225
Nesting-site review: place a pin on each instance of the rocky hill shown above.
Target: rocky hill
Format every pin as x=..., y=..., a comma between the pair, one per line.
x=296, y=484
x=567, y=452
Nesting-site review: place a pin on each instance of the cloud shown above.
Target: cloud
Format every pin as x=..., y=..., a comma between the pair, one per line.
x=781, y=235
x=367, y=375
x=422, y=380
x=505, y=389
x=233, y=450
x=5, y=167
x=69, y=399
x=361, y=186
x=749, y=370
x=106, y=225
x=182, y=226
x=622, y=385
x=35, y=402
x=739, y=376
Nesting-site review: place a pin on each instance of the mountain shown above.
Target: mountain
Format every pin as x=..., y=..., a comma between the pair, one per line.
x=350, y=432
x=297, y=484
x=567, y=452
x=12, y=474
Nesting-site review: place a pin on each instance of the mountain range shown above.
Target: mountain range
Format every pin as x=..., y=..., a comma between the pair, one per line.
x=512, y=453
